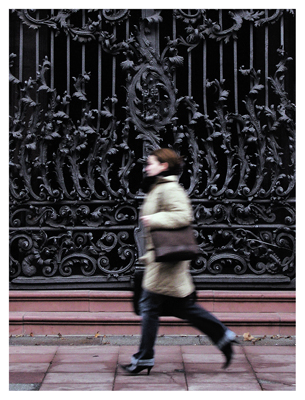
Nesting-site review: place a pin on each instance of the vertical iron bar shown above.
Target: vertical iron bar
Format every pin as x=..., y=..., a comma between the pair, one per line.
x=113, y=72
x=21, y=52
x=266, y=61
x=37, y=52
x=205, y=107
x=83, y=51
x=189, y=74
x=282, y=32
x=52, y=56
x=174, y=38
x=282, y=40
x=251, y=50
x=83, y=46
x=235, y=77
x=68, y=69
x=220, y=50
x=99, y=79
x=37, y=45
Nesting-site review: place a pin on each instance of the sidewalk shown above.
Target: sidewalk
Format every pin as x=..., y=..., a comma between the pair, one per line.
x=181, y=364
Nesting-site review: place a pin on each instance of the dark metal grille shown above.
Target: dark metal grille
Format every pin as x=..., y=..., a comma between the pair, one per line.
x=93, y=91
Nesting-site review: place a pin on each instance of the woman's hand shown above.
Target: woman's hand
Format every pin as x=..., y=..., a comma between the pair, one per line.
x=146, y=220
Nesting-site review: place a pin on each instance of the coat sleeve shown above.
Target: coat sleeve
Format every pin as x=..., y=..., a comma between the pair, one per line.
x=176, y=209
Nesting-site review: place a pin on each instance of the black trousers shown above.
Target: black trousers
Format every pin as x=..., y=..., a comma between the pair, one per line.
x=153, y=305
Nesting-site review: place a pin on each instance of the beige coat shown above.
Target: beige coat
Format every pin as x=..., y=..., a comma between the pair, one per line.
x=168, y=206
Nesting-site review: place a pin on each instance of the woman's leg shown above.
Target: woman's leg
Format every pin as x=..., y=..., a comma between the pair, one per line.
x=150, y=304
x=207, y=323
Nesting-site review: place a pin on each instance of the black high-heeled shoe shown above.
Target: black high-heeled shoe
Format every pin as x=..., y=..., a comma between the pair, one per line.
x=228, y=352
x=135, y=369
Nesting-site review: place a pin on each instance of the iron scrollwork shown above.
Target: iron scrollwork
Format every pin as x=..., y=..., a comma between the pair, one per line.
x=74, y=207
x=70, y=253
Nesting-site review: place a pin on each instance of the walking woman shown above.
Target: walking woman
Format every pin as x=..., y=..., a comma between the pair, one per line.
x=168, y=287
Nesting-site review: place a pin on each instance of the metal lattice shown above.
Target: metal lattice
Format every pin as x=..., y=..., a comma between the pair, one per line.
x=111, y=85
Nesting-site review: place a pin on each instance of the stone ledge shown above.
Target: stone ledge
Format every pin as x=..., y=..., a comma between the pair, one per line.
x=116, y=301
x=128, y=323
x=134, y=340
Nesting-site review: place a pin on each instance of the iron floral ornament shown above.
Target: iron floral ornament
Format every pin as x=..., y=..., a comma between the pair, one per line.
x=75, y=184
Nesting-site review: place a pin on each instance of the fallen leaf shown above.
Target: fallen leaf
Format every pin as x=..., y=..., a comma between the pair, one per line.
x=247, y=336
x=276, y=337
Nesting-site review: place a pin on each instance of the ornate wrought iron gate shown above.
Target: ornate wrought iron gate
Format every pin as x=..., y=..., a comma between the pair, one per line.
x=93, y=91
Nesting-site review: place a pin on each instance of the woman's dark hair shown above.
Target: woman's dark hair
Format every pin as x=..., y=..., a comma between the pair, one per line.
x=175, y=162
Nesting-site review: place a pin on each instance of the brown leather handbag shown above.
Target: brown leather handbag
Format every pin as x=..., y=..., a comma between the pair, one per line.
x=174, y=244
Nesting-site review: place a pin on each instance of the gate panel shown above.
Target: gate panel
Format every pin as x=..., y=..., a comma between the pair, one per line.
x=111, y=85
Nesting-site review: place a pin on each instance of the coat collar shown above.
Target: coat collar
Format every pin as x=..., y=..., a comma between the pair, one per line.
x=165, y=179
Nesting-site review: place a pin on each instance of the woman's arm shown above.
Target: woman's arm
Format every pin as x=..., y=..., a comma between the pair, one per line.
x=176, y=209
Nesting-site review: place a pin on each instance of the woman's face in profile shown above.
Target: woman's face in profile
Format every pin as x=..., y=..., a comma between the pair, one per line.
x=154, y=167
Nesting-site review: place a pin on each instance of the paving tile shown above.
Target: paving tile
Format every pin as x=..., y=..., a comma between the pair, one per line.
x=83, y=378
x=288, y=378
x=26, y=377
x=149, y=387
x=159, y=358
x=197, y=349
x=76, y=386
x=88, y=349
x=277, y=387
x=220, y=377
x=94, y=357
x=217, y=367
x=176, y=375
x=33, y=349
x=234, y=381
x=83, y=367
x=154, y=381
x=29, y=367
x=173, y=357
x=169, y=367
x=31, y=358
x=233, y=386
x=210, y=358
x=270, y=349
x=269, y=367
x=128, y=349
x=167, y=349
x=271, y=358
